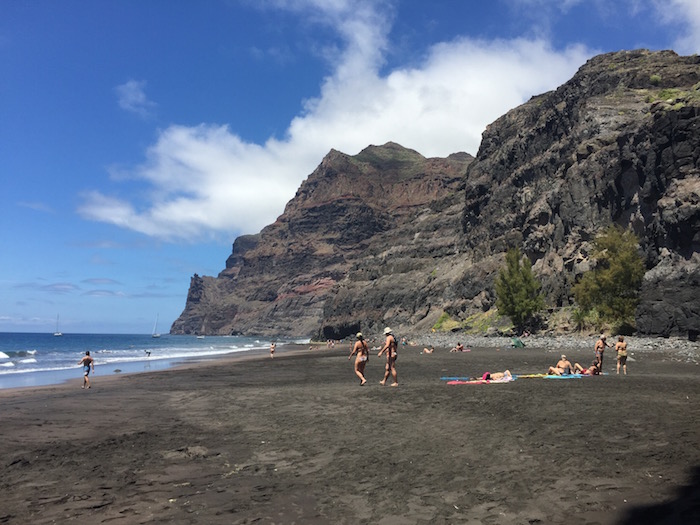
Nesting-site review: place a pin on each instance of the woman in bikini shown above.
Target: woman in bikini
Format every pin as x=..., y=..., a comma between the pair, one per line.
x=362, y=350
x=621, y=348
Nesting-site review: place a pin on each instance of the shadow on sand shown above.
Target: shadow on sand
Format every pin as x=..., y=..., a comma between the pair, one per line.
x=684, y=509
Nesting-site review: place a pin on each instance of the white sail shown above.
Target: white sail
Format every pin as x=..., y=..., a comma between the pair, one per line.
x=57, y=333
x=155, y=328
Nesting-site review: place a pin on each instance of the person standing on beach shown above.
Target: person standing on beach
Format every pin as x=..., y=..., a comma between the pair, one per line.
x=389, y=347
x=599, y=350
x=272, y=349
x=621, y=348
x=362, y=350
x=87, y=363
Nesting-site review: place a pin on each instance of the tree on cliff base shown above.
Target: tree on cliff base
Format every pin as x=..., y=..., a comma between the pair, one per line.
x=517, y=290
x=612, y=287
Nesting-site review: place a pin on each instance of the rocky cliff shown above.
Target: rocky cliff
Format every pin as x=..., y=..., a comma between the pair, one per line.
x=390, y=237
x=617, y=143
x=345, y=225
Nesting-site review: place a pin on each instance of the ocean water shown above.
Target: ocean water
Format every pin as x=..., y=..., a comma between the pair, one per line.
x=44, y=359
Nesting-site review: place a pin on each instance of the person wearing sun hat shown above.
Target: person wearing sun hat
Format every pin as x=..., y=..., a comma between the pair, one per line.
x=390, y=348
x=362, y=350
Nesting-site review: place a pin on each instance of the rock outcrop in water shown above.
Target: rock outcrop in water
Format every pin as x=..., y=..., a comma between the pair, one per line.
x=389, y=237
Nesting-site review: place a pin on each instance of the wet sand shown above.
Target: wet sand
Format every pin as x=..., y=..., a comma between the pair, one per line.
x=295, y=439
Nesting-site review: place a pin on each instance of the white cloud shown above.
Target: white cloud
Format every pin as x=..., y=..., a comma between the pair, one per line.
x=206, y=181
x=132, y=97
x=686, y=14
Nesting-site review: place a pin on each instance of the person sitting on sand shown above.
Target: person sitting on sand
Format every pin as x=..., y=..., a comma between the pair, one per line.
x=497, y=376
x=390, y=347
x=621, y=348
x=362, y=350
x=562, y=368
x=458, y=348
x=592, y=370
x=87, y=363
x=428, y=350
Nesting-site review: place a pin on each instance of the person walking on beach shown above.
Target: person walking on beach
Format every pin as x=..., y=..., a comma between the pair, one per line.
x=389, y=347
x=621, y=348
x=272, y=350
x=362, y=350
x=599, y=350
x=87, y=363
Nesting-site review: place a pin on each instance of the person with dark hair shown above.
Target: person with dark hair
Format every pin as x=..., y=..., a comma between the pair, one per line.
x=389, y=347
x=621, y=348
x=592, y=370
x=87, y=363
x=362, y=350
x=497, y=376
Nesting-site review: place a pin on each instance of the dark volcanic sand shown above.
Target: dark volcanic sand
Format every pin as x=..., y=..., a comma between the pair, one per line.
x=296, y=440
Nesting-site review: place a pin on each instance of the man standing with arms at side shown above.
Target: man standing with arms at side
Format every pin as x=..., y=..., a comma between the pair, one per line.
x=389, y=347
x=87, y=363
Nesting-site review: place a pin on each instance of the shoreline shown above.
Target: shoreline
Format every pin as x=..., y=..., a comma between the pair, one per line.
x=68, y=376
x=679, y=349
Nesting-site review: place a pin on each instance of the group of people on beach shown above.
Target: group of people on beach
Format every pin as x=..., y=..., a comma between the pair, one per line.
x=361, y=350
x=564, y=366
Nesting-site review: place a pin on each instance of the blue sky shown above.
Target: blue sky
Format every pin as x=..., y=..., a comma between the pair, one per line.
x=139, y=138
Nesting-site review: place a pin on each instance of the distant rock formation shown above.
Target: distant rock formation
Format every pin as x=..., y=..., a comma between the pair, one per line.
x=390, y=237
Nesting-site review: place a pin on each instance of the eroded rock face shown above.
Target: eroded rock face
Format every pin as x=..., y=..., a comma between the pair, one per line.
x=618, y=143
x=333, y=237
x=390, y=237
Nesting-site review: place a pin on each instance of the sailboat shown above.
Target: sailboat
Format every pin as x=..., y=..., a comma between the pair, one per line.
x=155, y=327
x=57, y=333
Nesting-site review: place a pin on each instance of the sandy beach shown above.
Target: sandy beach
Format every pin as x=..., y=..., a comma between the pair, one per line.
x=295, y=439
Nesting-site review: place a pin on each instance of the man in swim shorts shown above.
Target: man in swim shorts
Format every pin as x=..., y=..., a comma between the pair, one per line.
x=621, y=348
x=389, y=347
x=87, y=363
x=590, y=371
x=599, y=350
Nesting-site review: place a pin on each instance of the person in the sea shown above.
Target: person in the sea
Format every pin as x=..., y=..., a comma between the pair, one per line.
x=390, y=348
x=562, y=368
x=599, y=350
x=497, y=376
x=88, y=363
x=621, y=348
x=273, y=347
x=362, y=350
x=592, y=370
